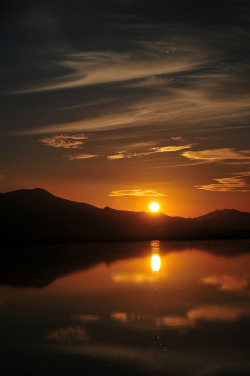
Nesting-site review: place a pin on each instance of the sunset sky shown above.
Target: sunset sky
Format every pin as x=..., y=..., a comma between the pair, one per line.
x=122, y=102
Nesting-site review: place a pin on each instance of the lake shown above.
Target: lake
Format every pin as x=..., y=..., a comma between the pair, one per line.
x=113, y=309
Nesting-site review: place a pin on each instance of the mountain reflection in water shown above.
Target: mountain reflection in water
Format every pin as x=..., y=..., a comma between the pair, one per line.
x=38, y=266
x=100, y=309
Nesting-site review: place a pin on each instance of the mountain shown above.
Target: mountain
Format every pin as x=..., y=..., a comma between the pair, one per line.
x=37, y=216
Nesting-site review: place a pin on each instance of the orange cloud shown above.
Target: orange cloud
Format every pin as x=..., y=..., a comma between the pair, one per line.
x=236, y=183
x=66, y=141
x=217, y=155
x=138, y=192
x=162, y=149
x=178, y=138
x=73, y=157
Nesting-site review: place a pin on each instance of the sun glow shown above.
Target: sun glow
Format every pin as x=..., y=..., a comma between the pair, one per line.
x=154, y=207
x=155, y=263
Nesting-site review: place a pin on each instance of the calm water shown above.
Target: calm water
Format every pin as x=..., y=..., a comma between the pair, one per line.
x=80, y=310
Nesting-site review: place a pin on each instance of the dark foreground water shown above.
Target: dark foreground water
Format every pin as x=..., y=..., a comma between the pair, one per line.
x=79, y=310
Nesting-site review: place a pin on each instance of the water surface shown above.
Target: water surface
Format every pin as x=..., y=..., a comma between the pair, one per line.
x=108, y=309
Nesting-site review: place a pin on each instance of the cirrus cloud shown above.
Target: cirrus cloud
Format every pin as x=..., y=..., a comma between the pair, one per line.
x=138, y=192
x=236, y=183
x=217, y=155
x=73, y=157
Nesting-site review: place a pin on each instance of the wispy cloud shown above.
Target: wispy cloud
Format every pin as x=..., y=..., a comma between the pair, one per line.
x=182, y=104
x=177, y=138
x=73, y=157
x=217, y=155
x=137, y=145
x=122, y=155
x=138, y=192
x=66, y=141
x=162, y=149
x=91, y=68
x=236, y=183
x=131, y=116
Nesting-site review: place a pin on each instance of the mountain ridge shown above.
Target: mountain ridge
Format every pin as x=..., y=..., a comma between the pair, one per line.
x=36, y=215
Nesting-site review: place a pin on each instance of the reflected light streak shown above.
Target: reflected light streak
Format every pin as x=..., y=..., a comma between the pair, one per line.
x=155, y=263
x=226, y=282
x=68, y=335
x=85, y=318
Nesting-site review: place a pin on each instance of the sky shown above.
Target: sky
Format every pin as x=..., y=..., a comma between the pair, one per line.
x=123, y=102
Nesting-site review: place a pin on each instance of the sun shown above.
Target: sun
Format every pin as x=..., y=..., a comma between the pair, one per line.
x=154, y=207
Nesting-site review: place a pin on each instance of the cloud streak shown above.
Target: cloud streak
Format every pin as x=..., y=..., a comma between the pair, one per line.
x=217, y=155
x=73, y=157
x=236, y=183
x=163, y=149
x=100, y=67
x=138, y=192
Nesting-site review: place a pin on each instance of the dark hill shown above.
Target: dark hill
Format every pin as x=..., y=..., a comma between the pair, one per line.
x=38, y=216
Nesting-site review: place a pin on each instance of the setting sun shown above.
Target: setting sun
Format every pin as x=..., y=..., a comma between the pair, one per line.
x=154, y=207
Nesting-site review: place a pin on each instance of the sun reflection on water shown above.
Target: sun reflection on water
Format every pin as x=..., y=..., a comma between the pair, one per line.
x=155, y=263
x=155, y=258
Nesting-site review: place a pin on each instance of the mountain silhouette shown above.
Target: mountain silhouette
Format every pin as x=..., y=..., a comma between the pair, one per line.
x=37, y=216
